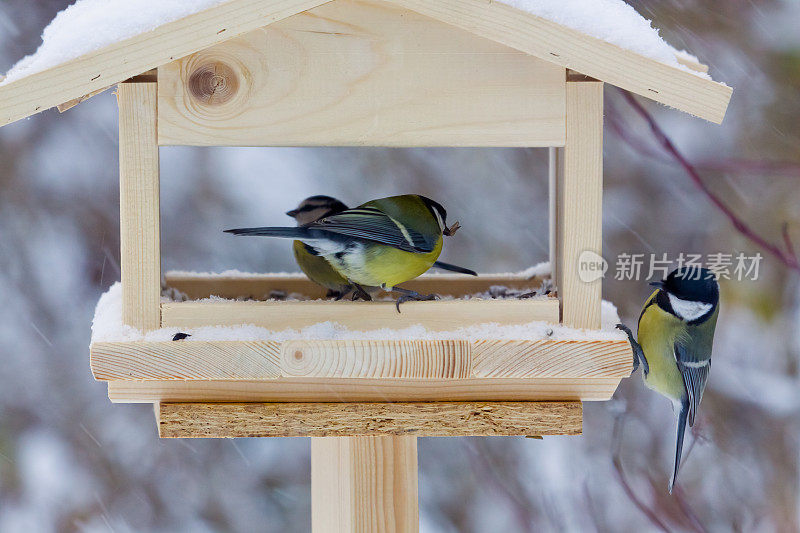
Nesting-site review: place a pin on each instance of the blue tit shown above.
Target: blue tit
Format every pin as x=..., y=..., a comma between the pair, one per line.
x=317, y=267
x=381, y=243
x=676, y=333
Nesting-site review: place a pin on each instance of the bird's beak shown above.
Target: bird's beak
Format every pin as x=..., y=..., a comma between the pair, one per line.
x=292, y=213
x=659, y=284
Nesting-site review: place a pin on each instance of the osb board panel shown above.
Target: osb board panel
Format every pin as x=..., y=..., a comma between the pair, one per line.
x=361, y=73
x=364, y=390
x=266, y=286
x=420, y=419
x=390, y=360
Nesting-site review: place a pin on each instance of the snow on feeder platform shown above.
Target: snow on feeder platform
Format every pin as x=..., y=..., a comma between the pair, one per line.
x=474, y=347
x=472, y=73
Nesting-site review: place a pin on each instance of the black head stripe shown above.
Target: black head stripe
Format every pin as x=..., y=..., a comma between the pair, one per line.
x=694, y=284
x=435, y=207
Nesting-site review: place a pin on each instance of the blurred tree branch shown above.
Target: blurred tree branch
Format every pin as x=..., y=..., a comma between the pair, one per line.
x=726, y=166
x=616, y=459
x=657, y=514
x=785, y=256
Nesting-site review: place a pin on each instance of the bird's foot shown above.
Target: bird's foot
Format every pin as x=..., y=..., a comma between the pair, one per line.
x=625, y=329
x=336, y=295
x=412, y=296
x=638, y=356
x=359, y=292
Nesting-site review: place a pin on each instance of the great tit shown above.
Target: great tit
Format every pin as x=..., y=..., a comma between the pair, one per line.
x=381, y=243
x=310, y=262
x=317, y=267
x=676, y=333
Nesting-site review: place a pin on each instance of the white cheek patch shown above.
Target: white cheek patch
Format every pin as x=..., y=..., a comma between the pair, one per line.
x=687, y=309
x=438, y=218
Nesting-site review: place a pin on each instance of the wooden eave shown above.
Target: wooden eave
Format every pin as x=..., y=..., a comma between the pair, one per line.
x=69, y=83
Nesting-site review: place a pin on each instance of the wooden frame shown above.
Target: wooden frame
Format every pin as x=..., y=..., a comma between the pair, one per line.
x=139, y=213
x=364, y=390
x=373, y=73
x=391, y=360
x=361, y=73
x=574, y=50
x=578, y=221
x=99, y=70
x=436, y=316
x=96, y=71
x=267, y=286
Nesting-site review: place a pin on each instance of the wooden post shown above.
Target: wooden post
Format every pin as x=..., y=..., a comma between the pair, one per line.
x=139, y=204
x=578, y=172
x=364, y=484
x=556, y=162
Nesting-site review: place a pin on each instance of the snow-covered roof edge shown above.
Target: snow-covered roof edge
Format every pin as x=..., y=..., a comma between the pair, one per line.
x=88, y=25
x=183, y=28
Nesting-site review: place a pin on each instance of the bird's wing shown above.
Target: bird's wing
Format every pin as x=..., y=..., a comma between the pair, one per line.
x=374, y=225
x=694, y=363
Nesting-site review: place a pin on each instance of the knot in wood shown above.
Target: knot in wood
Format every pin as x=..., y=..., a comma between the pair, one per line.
x=213, y=83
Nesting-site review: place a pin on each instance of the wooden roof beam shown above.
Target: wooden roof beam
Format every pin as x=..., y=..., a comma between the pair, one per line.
x=91, y=73
x=572, y=49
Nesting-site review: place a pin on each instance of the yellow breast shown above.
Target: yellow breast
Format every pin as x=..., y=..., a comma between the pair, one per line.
x=381, y=265
x=658, y=332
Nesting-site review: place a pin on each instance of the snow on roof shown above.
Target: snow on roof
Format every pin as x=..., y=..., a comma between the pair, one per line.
x=90, y=25
x=107, y=326
x=613, y=21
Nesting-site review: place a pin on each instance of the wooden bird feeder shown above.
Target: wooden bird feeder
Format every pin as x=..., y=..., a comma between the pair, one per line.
x=363, y=73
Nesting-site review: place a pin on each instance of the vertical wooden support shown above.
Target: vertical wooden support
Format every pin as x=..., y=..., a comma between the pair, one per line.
x=578, y=169
x=139, y=205
x=556, y=161
x=364, y=484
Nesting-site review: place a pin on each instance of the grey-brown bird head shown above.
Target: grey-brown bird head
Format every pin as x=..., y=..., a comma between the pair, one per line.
x=314, y=208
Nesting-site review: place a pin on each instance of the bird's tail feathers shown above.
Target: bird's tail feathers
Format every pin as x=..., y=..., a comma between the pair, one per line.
x=684, y=412
x=454, y=268
x=285, y=233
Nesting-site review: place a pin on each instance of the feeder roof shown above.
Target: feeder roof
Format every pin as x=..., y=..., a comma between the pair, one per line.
x=95, y=44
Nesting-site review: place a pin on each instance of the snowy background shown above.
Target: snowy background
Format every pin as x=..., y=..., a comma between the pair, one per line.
x=71, y=461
